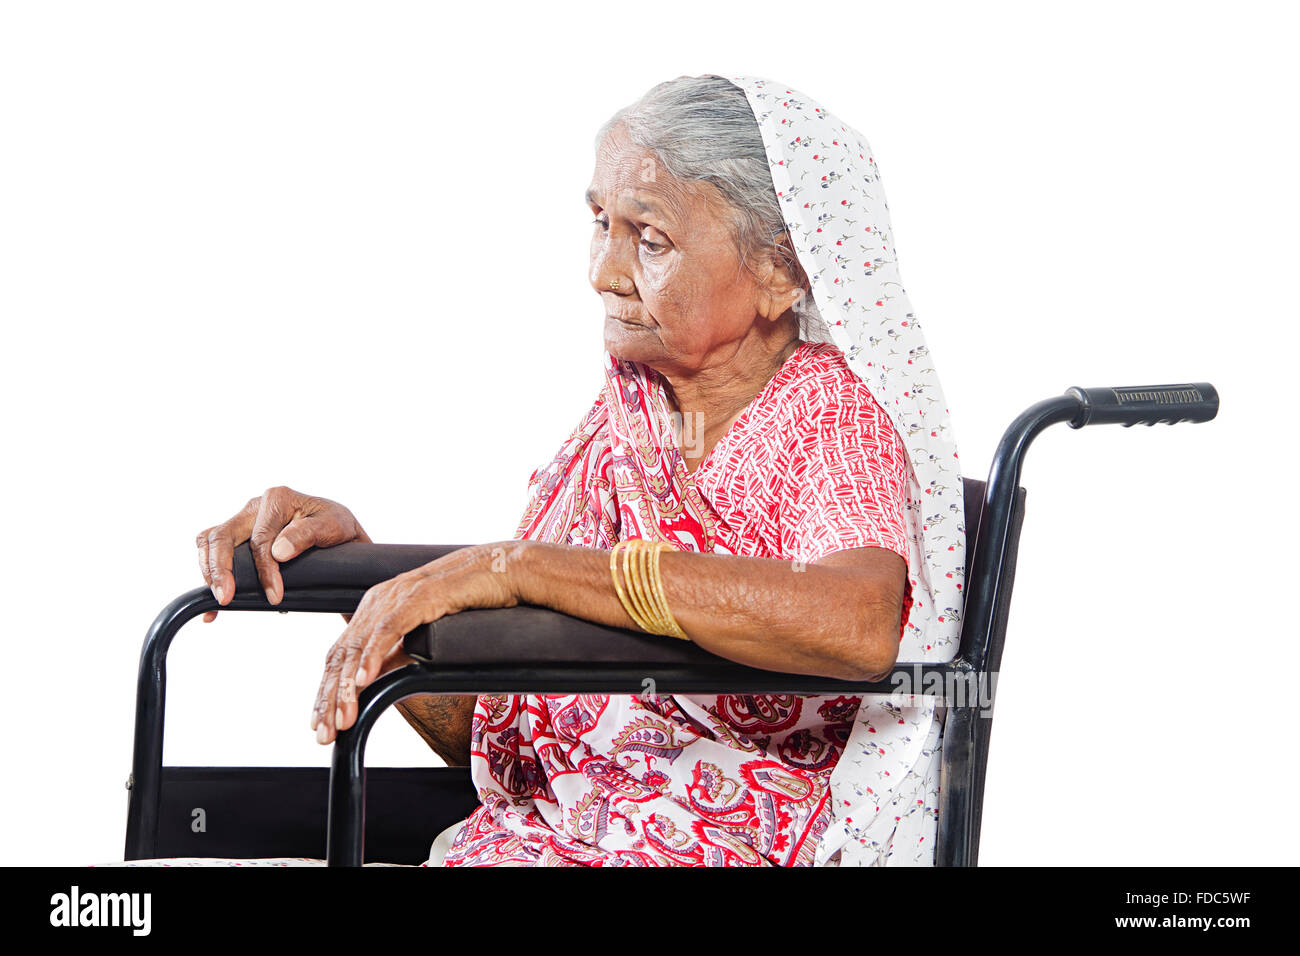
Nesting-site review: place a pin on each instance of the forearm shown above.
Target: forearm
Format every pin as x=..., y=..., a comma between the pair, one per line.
x=767, y=613
x=443, y=722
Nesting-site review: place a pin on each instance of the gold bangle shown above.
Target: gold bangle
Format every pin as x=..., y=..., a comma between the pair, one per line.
x=673, y=628
x=643, y=597
x=635, y=575
x=618, y=586
x=637, y=559
x=625, y=598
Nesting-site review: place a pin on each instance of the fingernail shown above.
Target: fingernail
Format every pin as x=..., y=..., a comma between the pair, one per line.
x=281, y=550
x=361, y=675
x=220, y=592
x=322, y=734
x=338, y=717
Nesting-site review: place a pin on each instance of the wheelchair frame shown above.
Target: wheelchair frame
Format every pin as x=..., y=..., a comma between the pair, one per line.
x=394, y=813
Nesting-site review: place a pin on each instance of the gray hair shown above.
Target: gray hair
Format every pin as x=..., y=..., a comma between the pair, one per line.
x=702, y=129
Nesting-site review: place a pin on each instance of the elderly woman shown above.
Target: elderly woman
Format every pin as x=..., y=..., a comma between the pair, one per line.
x=768, y=471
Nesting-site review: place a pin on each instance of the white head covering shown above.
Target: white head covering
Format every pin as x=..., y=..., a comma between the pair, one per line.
x=834, y=206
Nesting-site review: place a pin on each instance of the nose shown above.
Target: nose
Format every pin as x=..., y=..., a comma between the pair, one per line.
x=610, y=265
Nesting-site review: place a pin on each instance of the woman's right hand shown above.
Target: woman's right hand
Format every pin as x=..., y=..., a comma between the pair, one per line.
x=279, y=525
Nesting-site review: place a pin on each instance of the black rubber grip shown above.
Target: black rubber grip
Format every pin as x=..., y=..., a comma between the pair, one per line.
x=1145, y=404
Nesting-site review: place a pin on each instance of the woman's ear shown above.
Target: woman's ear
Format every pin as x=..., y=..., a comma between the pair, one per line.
x=780, y=289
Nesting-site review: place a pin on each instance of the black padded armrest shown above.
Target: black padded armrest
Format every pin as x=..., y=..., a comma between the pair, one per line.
x=530, y=636
x=530, y=648
x=538, y=650
x=351, y=566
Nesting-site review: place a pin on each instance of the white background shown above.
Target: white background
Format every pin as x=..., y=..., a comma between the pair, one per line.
x=343, y=247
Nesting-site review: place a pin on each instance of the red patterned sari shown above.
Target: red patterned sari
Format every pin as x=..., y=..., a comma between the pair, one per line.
x=812, y=466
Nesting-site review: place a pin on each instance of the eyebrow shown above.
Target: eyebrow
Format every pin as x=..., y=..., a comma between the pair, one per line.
x=640, y=205
x=649, y=207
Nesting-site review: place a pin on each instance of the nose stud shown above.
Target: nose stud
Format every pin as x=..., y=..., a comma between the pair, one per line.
x=613, y=285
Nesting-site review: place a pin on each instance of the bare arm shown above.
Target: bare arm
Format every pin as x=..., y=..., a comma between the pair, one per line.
x=838, y=617
x=443, y=722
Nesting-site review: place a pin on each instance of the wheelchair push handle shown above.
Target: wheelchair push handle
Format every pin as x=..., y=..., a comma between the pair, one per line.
x=1145, y=404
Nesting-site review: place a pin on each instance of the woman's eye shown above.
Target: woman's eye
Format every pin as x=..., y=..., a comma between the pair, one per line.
x=651, y=246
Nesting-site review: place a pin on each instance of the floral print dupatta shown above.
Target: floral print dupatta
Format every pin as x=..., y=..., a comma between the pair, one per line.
x=567, y=779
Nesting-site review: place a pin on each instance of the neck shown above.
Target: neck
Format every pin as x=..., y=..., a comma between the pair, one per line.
x=711, y=398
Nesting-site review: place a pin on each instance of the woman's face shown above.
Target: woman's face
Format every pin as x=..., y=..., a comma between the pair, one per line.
x=684, y=300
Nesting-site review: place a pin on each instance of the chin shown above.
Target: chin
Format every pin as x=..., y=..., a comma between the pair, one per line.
x=629, y=344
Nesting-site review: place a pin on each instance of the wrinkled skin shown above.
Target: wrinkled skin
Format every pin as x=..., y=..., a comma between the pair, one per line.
x=679, y=297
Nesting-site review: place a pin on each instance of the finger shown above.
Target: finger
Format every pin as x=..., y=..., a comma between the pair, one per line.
x=322, y=718
x=303, y=532
x=275, y=512
x=210, y=616
x=202, y=542
x=341, y=708
x=379, y=643
x=345, y=704
x=216, y=546
x=221, y=557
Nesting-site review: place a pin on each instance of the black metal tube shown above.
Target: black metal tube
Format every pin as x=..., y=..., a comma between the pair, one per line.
x=990, y=551
x=987, y=559
x=151, y=694
x=346, y=832
x=955, y=789
x=930, y=679
x=346, y=838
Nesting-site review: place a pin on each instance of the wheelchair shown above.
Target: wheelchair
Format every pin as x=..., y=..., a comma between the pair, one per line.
x=348, y=814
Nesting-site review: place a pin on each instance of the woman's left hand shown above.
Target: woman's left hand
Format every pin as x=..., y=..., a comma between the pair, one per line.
x=472, y=577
